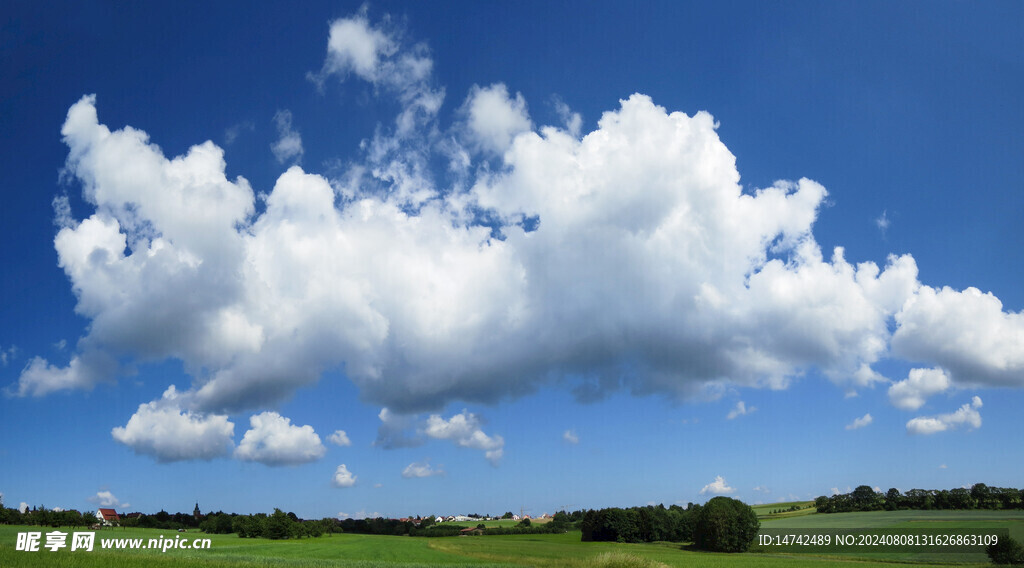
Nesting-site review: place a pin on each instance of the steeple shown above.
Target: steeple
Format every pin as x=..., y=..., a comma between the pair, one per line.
x=195, y=512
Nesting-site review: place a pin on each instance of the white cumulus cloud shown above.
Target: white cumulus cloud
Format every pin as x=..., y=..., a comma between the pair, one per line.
x=913, y=392
x=273, y=440
x=493, y=118
x=339, y=438
x=167, y=431
x=860, y=422
x=967, y=415
x=628, y=257
x=343, y=477
x=967, y=333
x=464, y=429
x=108, y=499
x=717, y=487
x=571, y=437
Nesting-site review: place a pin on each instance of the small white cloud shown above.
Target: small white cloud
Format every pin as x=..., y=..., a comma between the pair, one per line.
x=741, y=410
x=493, y=118
x=762, y=489
x=943, y=466
x=883, y=221
x=107, y=499
x=464, y=429
x=273, y=440
x=418, y=469
x=164, y=430
x=343, y=477
x=84, y=371
x=23, y=507
x=911, y=393
x=571, y=437
x=717, y=487
x=860, y=422
x=339, y=438
x=966, y=415
x=354, y=46
x=289, y=143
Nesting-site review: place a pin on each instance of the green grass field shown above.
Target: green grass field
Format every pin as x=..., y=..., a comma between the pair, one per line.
x=555, y=550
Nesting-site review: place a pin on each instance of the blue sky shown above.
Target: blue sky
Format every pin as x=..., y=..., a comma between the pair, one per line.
x=521, y=255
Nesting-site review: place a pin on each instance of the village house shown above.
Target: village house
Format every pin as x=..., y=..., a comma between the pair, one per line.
x=108, y=517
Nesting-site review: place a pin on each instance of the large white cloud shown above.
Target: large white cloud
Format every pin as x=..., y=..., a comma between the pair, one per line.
x=911, y=393
x=630, y=257
x=967, y=415
x=164, y=430
x=967, y=333
x=274, y=440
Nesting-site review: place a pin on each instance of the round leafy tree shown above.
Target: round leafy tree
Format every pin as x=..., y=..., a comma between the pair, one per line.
x=1006, y=551
x=725, y=525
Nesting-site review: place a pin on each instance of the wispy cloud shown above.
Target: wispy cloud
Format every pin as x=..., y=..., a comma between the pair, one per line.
x=741, y=409
x=288, y=147
x=860, y=422
x=421, y=469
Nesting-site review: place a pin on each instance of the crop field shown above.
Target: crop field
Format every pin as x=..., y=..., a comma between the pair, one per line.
x=555, y=550
x=766, y=511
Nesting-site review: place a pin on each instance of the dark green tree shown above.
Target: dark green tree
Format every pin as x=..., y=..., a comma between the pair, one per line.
x=1006, y=551
x=725, y=525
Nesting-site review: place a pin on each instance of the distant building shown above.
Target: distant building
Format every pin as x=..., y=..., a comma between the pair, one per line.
x=108, y=517
x=195, y=512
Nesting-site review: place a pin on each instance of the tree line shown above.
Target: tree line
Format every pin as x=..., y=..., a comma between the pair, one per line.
x=41, y=516
x=722, y=524
x=979, y=496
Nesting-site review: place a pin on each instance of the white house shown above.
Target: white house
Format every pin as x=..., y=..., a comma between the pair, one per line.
x=107, y=517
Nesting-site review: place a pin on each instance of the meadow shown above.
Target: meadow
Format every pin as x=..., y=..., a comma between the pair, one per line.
x=555, y=550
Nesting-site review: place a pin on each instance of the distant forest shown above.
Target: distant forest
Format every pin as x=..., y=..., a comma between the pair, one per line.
x=979, y=496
